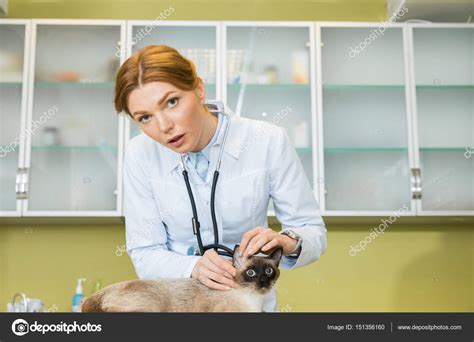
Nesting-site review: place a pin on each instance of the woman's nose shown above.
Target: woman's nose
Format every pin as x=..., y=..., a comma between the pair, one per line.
x=165, y=124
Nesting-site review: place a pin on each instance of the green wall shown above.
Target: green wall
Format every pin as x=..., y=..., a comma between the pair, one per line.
x=330, y=10
x=412, y=267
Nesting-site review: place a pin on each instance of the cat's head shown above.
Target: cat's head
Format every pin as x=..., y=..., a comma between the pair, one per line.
x=258, y=273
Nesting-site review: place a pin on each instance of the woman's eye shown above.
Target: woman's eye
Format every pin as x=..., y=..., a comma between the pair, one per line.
x=251, y=273
x=144, y=118
x=268, y=270
x=173, y=102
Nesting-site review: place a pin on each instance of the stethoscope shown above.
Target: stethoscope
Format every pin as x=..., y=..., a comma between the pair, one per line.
x=214, y=107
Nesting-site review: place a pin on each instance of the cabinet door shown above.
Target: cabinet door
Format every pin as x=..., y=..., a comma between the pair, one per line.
x=73, y=158
x=444, y=77
x=12, y=111
x=194, y=40
x=268, y=77
x=364, y=112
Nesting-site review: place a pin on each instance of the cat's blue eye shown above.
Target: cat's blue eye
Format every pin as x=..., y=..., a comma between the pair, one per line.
x=251, y=273
x=143, y=120
x=268, y=271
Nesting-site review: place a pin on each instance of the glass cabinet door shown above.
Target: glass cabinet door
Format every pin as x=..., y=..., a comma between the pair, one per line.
x=74, y=127
x=12, y=55
x=198, y=43
x=444, y=77
x=366, y=154
x=268, y=78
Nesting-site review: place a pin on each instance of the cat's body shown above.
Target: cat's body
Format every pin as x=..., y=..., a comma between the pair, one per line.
x=172, y=295
x=255, y=278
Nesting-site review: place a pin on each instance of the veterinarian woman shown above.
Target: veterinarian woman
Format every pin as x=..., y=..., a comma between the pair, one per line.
x=162, y=93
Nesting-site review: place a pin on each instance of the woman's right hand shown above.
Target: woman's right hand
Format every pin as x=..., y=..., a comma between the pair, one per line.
x=214, y=271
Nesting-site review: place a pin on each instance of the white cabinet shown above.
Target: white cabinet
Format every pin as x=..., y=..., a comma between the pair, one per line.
x=72, y=137
x=14, y=38
x=364, y=115
x=396, y=103
x=443, y=90
x=381, y=116
x=269, y=76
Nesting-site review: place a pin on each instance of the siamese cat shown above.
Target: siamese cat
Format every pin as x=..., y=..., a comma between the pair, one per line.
x=255, y=276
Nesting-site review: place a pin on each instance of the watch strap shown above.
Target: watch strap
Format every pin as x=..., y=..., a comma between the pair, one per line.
x=292, y=234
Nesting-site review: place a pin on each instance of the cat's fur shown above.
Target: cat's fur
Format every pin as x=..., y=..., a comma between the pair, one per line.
x=188, y=294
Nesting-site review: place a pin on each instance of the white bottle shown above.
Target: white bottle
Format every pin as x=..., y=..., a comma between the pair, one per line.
x=78, y=296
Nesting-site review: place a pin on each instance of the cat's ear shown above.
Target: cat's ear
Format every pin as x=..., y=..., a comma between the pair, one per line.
x=276, y=255
x=237, y=260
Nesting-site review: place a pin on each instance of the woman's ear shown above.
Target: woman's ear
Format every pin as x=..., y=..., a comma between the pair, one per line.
x=201, y=91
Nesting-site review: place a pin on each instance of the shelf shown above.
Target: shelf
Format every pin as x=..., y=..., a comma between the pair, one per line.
x=364, y=149
x=39, y=220
x=304, y=149
x=404, y=223
x=391, y=149
x=342, y=223
x=10, y=84
x=74, y=148
x=269, y=86
x=445, y=86
x=442, y=149
x=362, y=86
x=50, y=84
x=395, y=86
x=54, y=84
x=109, y=84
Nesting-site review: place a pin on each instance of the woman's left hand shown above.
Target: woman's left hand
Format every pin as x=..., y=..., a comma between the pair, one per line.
x=264, y=239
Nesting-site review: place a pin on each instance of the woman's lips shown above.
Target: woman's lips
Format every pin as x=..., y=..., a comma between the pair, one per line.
x=178, y=142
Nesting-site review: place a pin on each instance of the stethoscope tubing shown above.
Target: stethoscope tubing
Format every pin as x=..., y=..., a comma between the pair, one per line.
x=220, y=249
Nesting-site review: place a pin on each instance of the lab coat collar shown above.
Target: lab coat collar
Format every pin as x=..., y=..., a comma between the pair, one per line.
x=232, y=145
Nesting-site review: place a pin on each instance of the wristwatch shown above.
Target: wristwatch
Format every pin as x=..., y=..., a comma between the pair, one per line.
x=295, y=236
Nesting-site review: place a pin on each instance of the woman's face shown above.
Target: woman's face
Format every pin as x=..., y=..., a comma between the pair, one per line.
x=165, y=112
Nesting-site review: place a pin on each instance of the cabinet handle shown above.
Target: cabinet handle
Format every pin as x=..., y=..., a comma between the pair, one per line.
x=416, y=183
x=21, y=183
x=18, y=183
x=25, y=183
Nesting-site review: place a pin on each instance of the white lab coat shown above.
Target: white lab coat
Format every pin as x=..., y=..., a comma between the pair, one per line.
x=258, y=163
